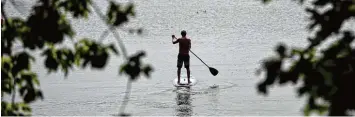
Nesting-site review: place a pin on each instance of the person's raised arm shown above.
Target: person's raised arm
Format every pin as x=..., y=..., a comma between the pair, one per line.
x=176, y=41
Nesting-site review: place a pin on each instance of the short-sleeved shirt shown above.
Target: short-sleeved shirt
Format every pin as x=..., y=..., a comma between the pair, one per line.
x=184, y=45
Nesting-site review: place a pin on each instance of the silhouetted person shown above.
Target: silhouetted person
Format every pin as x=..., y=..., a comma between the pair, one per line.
x=183, y=57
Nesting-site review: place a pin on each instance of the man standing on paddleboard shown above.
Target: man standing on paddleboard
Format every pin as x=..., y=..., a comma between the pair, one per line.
x=183, y=57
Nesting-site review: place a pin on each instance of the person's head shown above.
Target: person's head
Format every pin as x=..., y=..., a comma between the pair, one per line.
x=183, y=33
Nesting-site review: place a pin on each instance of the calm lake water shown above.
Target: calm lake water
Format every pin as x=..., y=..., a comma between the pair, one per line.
x=229, y=35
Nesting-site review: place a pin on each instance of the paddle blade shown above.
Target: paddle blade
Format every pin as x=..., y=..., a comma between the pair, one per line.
x=213, y=71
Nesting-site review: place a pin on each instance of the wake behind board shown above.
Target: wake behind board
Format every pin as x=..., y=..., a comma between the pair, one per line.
x=184, y=82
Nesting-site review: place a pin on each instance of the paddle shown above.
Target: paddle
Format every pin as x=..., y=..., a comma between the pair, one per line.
x=213, y=71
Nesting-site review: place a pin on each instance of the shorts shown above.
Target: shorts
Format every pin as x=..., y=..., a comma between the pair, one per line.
x=183, y=59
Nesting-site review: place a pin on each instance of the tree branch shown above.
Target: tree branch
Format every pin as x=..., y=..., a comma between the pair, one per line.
x=13, y=93
x=126, y=97
x=111, y=28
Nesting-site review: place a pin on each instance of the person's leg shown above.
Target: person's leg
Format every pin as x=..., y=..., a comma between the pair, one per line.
x=179, y=66
x=188, y=74
x=187, y=66
x=179, y=72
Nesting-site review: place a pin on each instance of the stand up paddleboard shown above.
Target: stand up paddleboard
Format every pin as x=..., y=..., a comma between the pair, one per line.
x=184, y=82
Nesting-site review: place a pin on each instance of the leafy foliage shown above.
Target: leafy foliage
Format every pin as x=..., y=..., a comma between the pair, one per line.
x=15, y=109
x=45, y=28
x=327, y=80
x=79, y=8
x=117, y=16
x=133, y=67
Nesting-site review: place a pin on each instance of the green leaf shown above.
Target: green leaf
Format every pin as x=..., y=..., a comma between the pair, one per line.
x=78, y=8
x=30, y=78
x=130, y=9
x=30, y=96
x=322, y=109
x=310, y=54
x=6, y=62
x=113, y=49
x=122, y=69
x=51, y=63
x=295, y=51
x=77, y=60
x=307, y=111
x=5, y=59
x=147, y=70
x=6, y=83
x=23, y=60
x=116, y=17
x=26, y=108
x=281, y=50
x=35, y=79
x=352, y=8
x=99, y=60
x=40, y=94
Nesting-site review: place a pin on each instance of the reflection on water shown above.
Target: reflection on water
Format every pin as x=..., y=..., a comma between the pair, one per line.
x=184, y=99
x=183, y=102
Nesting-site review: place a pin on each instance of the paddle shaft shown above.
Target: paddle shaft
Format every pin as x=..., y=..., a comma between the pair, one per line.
x=199, y=58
